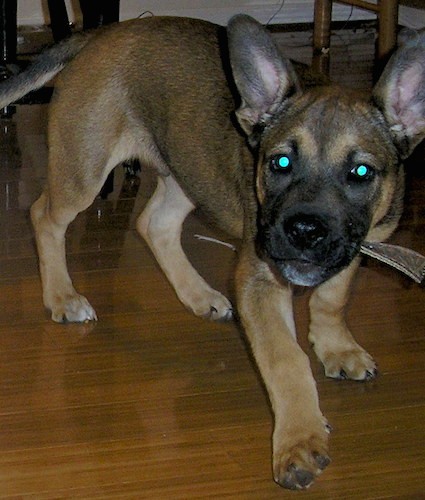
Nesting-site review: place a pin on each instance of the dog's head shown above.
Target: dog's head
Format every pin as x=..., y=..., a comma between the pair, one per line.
x=329, y=173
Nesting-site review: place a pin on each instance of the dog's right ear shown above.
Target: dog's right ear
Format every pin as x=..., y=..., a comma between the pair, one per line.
x=263, y=77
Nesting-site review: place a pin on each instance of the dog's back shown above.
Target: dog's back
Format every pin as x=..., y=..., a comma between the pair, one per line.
x=169, y=88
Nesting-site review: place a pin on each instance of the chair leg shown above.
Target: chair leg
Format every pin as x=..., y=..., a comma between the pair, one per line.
x=59, y=21
x=8, y=31
x=97, y=13
x=387, y=31
x=322, y=35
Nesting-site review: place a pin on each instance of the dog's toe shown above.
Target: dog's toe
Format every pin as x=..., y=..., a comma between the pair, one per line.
x=210, y=304
x=300, y=474
x=298, y=462
x=296, y=478
x=225, y=314
x=75, y=309
x=371, y=374
x=353, y=364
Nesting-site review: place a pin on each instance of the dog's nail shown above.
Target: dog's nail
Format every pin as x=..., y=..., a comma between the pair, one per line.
x=328, y=428
x=371, y=374
x=322, y=460
x=343, y=374
x=298, y=478
x=229, y=315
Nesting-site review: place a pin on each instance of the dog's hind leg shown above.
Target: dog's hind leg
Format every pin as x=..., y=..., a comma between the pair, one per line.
x=74, y=179
x=59, y=294
x=332, y=341
x=160, y=225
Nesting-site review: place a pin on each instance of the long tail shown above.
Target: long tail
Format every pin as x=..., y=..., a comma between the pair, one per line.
x=48, y=64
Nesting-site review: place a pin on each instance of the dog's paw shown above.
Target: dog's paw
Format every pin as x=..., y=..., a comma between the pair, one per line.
x=210, y=304
x=298, y=462
x=354, y=364
x=75, y=309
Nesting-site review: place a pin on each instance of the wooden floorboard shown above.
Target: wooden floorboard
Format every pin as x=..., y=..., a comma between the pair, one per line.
x=151, y=402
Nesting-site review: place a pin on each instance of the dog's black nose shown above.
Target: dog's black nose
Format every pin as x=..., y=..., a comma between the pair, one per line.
x=305, y=231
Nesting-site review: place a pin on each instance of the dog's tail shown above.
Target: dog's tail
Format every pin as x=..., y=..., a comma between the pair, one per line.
x=44, y=67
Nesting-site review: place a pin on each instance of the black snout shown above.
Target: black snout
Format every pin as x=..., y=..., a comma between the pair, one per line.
x=305, y=231
x=306, y=244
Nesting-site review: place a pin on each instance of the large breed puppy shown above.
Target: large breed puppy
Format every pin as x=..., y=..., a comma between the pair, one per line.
x=302, y=177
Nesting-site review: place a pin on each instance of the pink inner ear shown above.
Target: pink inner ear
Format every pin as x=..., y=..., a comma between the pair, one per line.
x=408, y=109
x=410, y=82
x=270, y=80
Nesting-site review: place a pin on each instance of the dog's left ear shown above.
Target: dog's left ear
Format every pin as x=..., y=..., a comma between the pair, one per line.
x=263, y=77
x=400, y=92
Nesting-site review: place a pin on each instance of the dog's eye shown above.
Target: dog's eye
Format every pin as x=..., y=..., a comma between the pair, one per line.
x=361, y=172
x=281, y=163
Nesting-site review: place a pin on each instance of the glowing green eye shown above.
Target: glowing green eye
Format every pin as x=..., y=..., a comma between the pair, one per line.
x=281, y=163
x=361, y=172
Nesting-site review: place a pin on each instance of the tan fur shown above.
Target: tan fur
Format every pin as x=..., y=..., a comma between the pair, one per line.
x=155, y=90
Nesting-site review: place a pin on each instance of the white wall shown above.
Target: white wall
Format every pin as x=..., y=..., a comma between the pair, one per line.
x=36, y=12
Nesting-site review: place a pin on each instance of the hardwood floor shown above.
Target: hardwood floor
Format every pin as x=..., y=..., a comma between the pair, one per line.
x=151, y=402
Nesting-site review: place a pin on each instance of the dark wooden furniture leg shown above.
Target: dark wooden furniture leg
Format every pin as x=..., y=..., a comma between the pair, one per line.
x=59, y=21
x=387, y=14
x=322, y=35
x=98, y=13
x=8, y=32
x=8, y=43
x=387, y=31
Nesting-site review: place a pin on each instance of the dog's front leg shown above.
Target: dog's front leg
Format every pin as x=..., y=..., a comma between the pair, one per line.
x=332, y=341
x=300, y=436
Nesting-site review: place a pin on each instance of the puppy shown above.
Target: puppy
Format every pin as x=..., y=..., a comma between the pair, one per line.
x=302, y=177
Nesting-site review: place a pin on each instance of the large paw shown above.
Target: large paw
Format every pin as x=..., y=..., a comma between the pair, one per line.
x=73, y=309
x=298, y=462
x=355, y=364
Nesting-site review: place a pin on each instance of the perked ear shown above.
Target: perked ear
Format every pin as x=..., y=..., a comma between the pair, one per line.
x=400, y=92
x=263, y=78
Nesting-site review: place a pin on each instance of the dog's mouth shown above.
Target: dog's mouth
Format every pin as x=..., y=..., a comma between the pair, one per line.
x=307, y=249
x=303, y=272
x=308, y=267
